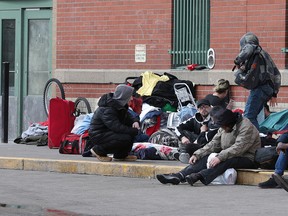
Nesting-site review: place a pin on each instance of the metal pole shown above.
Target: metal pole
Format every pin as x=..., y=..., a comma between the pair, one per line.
x=5, y=101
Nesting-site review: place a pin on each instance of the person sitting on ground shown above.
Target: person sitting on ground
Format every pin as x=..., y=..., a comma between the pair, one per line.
x=235, y=144
x=113, y=129
x=277, y=180
x=220, y=96
x=195, y=132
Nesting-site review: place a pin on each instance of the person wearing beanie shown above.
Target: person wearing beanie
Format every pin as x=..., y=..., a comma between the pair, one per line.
x=235, y=145
x=220, y=95
x=112, y=128
x=195, y=132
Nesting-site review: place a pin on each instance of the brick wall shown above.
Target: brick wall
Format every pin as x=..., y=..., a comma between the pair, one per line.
x=102, y=34
x=231, y=19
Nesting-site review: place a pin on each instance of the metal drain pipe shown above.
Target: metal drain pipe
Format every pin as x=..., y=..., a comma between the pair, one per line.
x=5, y=101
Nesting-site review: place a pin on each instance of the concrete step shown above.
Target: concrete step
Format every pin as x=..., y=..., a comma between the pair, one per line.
x=138, y=169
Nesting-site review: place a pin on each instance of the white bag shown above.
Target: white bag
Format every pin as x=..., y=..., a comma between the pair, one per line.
x=228, y=177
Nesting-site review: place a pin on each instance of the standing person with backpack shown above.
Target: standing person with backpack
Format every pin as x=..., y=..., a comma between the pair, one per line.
x=258, y=73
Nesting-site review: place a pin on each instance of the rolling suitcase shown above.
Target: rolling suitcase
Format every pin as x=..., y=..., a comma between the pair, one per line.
x=60, y=120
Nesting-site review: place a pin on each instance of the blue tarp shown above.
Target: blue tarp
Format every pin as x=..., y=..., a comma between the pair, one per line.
x=275, y=122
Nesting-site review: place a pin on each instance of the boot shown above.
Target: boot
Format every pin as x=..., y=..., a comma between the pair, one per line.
x=128, y=158
x=100, y=157
x=192, y=178
x=169, y=178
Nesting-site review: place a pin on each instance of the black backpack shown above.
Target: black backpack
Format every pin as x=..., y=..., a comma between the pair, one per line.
x=253, y=76
x=266, y=157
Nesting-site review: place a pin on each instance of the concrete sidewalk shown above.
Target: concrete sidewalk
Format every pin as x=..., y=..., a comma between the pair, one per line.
x=34, y=158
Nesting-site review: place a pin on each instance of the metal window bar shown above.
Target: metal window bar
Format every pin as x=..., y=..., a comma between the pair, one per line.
x=191, y=28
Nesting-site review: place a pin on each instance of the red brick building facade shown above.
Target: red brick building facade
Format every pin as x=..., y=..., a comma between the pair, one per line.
x=94, y=41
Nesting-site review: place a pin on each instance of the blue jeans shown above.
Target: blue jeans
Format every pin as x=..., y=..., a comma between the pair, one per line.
x=281, y=163
x=255, y=102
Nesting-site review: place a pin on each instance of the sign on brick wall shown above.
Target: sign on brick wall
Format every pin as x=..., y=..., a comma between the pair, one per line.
x=140, y=53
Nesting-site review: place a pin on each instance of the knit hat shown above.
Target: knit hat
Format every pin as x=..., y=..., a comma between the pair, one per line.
x=221, y=85
x=225, y=117
x=123, y=94
x=202, y=101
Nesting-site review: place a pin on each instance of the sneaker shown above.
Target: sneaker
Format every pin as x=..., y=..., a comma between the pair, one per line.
x=101, y=158
x=184, y=158
x=176, y=155
x=192, y=178
x=280, y=181
x=270, y=183
x=168, y=179
x=128, y=158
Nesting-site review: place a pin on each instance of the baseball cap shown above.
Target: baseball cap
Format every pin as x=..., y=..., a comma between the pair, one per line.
x=203, y=102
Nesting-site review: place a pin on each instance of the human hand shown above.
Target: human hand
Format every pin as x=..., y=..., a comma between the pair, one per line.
x=193, y=159
x=273, y=102
x=136, y=125
x=204, y=128
x=230, y=104
x=281, y=147
x=214, y=162
x=185, y=140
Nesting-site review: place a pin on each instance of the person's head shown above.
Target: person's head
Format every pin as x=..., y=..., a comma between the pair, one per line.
x=123, y=94
x=225, y=118
x=249, y=38
x=203, y=107
x=222, y=86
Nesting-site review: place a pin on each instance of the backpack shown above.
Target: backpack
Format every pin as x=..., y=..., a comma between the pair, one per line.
x=165, y=137
x=73, y=143
x=266, y=157
x=259, y=69
x=251, y=77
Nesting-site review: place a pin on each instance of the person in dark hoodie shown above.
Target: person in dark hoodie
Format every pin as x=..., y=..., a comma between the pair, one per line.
x=197, y=131
x=113, y=128
x=266, y=78
x=235, y=144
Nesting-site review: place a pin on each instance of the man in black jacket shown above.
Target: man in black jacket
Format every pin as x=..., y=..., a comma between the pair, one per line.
x=113, y=129
x=196, y=131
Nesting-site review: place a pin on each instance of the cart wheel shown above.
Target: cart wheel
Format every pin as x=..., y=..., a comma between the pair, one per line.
x=53, y=88
x=82, y=106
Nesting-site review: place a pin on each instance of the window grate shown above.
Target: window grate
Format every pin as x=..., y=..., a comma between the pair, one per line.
x=191, y=32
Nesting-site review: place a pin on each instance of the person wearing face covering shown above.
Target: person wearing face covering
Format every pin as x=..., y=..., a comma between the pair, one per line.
x=113, y=128
x=235, y=144
x=265, y=84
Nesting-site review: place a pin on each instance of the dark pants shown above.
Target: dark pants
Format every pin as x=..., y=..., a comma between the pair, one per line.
x=113, y=143
x=208, y=175
x=191, y=147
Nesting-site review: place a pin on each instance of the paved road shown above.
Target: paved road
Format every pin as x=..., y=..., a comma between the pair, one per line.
x=36, y=193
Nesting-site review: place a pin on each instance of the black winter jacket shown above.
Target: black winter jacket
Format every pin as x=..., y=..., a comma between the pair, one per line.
x=193, y=126
x=111, y=116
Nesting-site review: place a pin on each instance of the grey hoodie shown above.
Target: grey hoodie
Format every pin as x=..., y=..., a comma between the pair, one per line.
x=249, y=43
x=123, y=94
